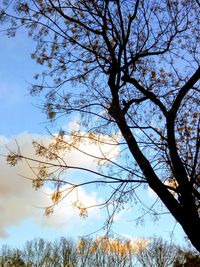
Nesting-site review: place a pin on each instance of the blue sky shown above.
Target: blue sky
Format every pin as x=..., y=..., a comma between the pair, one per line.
x=21, y=218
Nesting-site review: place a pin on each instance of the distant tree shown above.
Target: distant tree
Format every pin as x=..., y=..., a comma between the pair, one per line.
x=102, y=251
x=5, y=254
x=11, y=257
x=37, y=252
x=158, y=253
x=135, y=65
x=106, y=251
x=187, y=258
x=66, y=252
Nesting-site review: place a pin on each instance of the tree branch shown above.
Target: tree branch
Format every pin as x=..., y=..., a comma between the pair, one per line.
x=148, y=94
x=182, y=93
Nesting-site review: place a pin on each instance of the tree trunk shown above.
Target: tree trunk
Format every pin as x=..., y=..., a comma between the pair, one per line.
x=191, y=226
x=183, y=211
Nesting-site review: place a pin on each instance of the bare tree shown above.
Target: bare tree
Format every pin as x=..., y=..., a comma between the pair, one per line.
x=102, y=251
x=134, y=66
x=158, y=253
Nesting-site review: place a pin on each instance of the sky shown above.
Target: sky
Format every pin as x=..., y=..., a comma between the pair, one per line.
x=21, y=207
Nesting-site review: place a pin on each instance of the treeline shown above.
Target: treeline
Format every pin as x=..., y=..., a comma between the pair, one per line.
x=100, y=252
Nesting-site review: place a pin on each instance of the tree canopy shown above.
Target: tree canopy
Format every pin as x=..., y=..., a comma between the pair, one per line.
x=102, y=251
x=134, y=68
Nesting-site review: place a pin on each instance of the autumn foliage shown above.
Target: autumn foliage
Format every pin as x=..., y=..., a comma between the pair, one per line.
x=129, y=70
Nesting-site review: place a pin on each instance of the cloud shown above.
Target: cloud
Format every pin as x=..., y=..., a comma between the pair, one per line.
x=18, y=200
x=65, y=213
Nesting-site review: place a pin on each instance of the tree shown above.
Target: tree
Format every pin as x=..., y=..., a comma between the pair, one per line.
x=106, y=251
x=187, y=258
x=102, y=251
x=66, y=252
x=37, y=252
x=11, y=257
x=136, y=68
x=158, y=254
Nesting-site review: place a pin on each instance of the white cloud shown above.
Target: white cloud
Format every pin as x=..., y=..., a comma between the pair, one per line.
x=19, y=201
x=65, y=213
